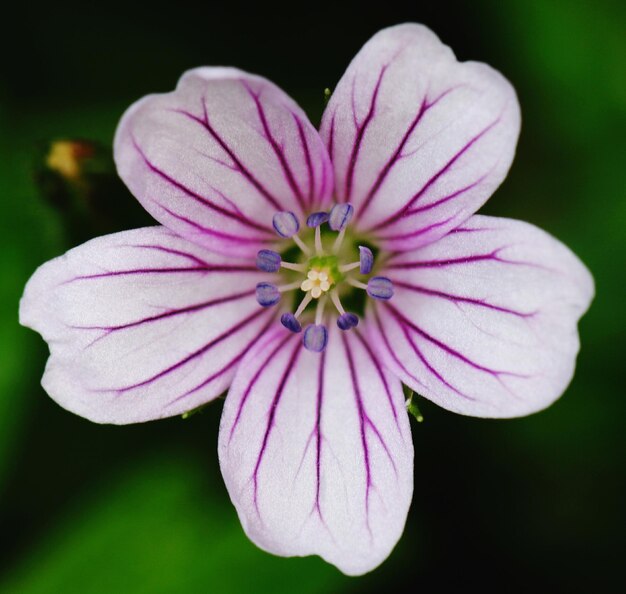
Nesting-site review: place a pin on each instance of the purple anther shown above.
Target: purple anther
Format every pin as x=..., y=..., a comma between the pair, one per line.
x=289, y=321
x=347, y=320
x=315, y=338
x=285, y=223
x=267, y=294
x=340, y=216
x=268, y=261
x=380, y=287
x=366, y=258
x=316, y=219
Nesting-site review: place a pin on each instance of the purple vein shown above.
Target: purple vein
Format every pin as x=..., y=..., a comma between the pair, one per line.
x=381, y=374
x=198, y=197
x=170, y=270
x=277, y=148
x=395, y=157
x=427, y=363
x=232, y=363
x=360, y=133
x=491, y=256
x=171, y=313
x=400, y=213
x=459, y=299
x=331, y=138
x=417, y=232
x=447, y=349
x=174, y=252
x=391, y=350
x=199, y=352
x=362, y=427
x=253, y=382
x=204, y=122
x=272, y=415
x=447, y=198
x=318, y=433
x=206, y=230
x=306, y=151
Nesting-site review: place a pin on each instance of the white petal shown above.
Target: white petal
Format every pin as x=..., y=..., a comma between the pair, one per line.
x=418, y=140
x=142, y=324
x=316, y=451
x=483, y=322
x=215, y=159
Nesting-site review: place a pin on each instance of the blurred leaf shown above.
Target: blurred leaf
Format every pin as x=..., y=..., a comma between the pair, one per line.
x=160, y=530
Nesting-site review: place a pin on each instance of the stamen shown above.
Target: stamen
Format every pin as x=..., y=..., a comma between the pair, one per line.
x=316, y=219
x=285, y=223
x=319, y=312
x=346, y=321
x=267, y=294
x=334, y=297
x=357, y=284
x=289, y=287
x=301, y=245
x=315, y=338
x=338, y=241
x=307, y=299
x=340, y=216
x=268, y=261
x=319, y=249
x=366, y=260
x=290, y=266
x=348, y=267
x=289, y=321
x=380, y=287
x=323, y=272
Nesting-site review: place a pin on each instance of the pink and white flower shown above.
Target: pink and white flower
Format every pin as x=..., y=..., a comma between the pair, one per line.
x=311, y=275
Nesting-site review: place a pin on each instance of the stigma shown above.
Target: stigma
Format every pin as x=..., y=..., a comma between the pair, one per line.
x=318, y=281
x=321, y=273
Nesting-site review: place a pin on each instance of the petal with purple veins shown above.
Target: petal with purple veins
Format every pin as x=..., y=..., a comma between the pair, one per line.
x=214, y=159
x=142, y=324
x=316, y=450
x=483, y=322
x=418, y=140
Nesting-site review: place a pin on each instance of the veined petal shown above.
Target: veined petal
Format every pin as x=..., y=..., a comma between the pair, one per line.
x=216, y=158
x=142, y=324
x=418, y=140
x=483, y=322
x=316, y=450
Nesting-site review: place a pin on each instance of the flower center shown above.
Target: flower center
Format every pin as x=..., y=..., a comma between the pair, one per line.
x=321, y=274
x=318, y=281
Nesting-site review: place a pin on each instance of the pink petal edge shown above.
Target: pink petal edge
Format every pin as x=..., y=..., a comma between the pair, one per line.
x=142, y=324
x=483, y=322
x=316, y=451
x=418, y=140
x=216, y=158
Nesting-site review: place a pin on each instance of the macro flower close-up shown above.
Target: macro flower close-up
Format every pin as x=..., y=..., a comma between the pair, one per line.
x=309, y=275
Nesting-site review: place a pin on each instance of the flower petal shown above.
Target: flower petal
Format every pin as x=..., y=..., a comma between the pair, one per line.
x=418, y=140
x=483, y=322
x=316, y=451
x=142, y=324
x=216, y=158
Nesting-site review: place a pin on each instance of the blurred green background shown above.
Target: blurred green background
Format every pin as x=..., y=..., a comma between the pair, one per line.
x=533, y=504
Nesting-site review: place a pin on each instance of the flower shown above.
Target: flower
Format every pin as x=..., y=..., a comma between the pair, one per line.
x=313, y=274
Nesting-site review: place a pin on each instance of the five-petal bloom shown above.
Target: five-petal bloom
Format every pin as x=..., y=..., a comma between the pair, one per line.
x=476, y=313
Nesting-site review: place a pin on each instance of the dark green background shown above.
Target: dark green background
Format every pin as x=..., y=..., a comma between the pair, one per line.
x=533, y=504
